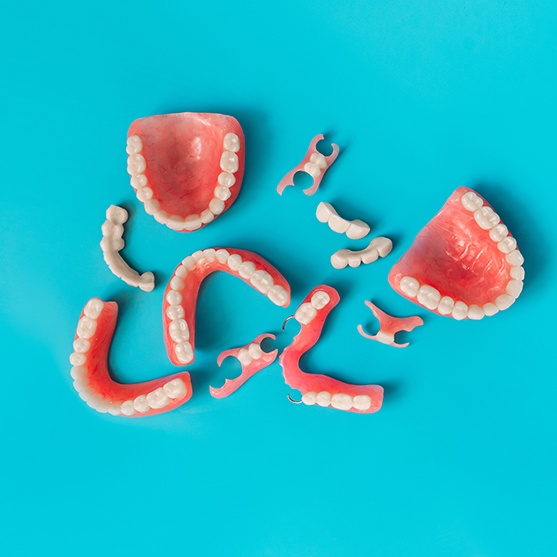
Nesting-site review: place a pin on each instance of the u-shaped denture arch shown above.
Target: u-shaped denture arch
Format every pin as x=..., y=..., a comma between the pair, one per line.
x=314, y=163
x=464, y=263
x=92, y=380
x=317, y=389
x=180, y=298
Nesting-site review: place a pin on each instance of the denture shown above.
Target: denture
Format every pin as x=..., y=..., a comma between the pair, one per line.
x=378, y=247
x=180, y=299
x=252, y=358
x=354, y=229
x=316, y=389
x=92, y=380
x=186, y=168
x=314, y=163
x=464, y=263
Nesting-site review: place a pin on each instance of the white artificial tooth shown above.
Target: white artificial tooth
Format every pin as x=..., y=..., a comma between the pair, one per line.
x=475, y=312
x=309, y=398
x=246, y=270
x=506, y=245
x=498, y=233
x=175, y=222
x=383, y=245
x=157, y=399
x=192, y=222
x=362, y=402
x=114, y=409
x=116, y=214
x=229, y=161
x=176, y=283
x=144, y=194
x=262, y=280
x=117, y=244
x=226, y=179
x=222, y=192
x=320, y=299
x=338, y=224
x=86, y=327
x=319, y=159
x=78, y=372
x=486, y=217
x=184, y=352
x=244, y=357
x=127, y=408
x=222, y=255
x=98, y=403
x=358, y=229
x=181, y=272
x=93, y=308
x=173, y=297
x=81, y=385
x=175, y=312
x=198, y=255
x=323, y=212
x=77, y=359
x=446, y=305
x=305, y=313
x=179, y=330
x=138, y=181
x=189, y=263
x=323, y=398
x=278, y=295
x=234, y=262
x=341, y=401
x=339, y=259
x=210, y=254
x=409, y=286
x=490, y=309
x=207, y=216
x=107, y=229
x=231, y=142
x=134, y=145
x=255, y=351
x=429, y=297
x=517, y=273
x=141, y=405
x=312, y=169
x=354, y=260
x=175, y=388
x=81, y=345
x=216, y=206
x=152, y=208
x=161, y=216
x=504, y=301
x=136, y=164
x=514, y=288
x=460, y=310
x=471, y=202
x=515, y=258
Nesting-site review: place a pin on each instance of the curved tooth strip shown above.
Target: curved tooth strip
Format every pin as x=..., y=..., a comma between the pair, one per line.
x=355, y=229
x=378, y=247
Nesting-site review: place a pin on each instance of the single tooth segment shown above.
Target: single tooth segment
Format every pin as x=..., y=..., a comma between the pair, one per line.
x=338, y=224
x=136, y=164
x=357, y=229
x=174, y=297
x=362, y=402
x=429, y=297
x=498, y=233
x=339, y=259
x=192, y=222
x=475, y=312
x=514, y=288
x=226, y=179
x=229, y=161
x=312, y=169
x=231, y=142
x=184, y=352
x=161, y=216
x=81, y=385
x=320, y=299
x=255, y=351
x=176, y=283
x=144, y=194
x=369, y=256
x=78, y=372
x=216, y=206
x=504, y=302
x=383, y=245
x=409, y=286
x=93, y=308
x=134, y=145
x=118, y=215
x=222, y=255
x=305, y=313
x=81, y=345
x=181, y=272
x=234, y=262
x=341, y=401
x=152, y=208
x=460, y=310
x=141, y=405
x=179, y=331
x=507, y=245
x=471, y=202
x=127, y=408
x=515, y=258
x=244, y=357
x=262, y=280
x=77, y=359
x=446, y=305
x=198, y=255
x=246, y=270
x=138, y=181
x=207, y=216
x=324, y=212
x=517, y=273
x=490, y=309
x=309, y=398
x=157, y=399
x=175, y=312
x=210, y=254
x=486, y=218
x=354, y=260
x=323, y=398
x=222, y=192
x=319, y=160
x=175, y=223
x=175, y=389
x=278, y=295
x=189, y=263
x=86, y=327
x=114, y=409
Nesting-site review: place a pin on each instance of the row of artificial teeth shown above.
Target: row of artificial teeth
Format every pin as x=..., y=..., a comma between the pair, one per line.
x=155, y=400
x=308, y=310
x=178, y=328
x=247, y=355
x=229, y=165
x=340, y=401
x=317, y=163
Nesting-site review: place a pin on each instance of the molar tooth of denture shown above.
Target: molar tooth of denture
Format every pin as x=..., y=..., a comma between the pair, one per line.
x=157, y=398
x=207, y=216
x=78, y=372
x=338, y=224
x=319, y=160
x=216, y=206
x=278, y=295
x=231, y=142
x=141, y=405
x=409, y=286
x=429, y=297
x=362, y=402
x=189, y=263
x=144, y=194
x=323, y=398
x=515, y=258
x=179, y=330
x=262, y=280
x=309, y=398
x=490, y=309
x=161, y=216
x=222, y=255
x=77, y=359
x=175, y=222
x=152, y=208
x=175, y=312
x=255, y=351
x=98, y=403
x=341, y=401
x=81, y=345
x=506, y=245
x=234, y=262
x=504, y=301
x=514, y=288
x=475, y=312
x=222, y=192
x=244, y=357
x=184, y=352
x=86, y=327
x=323, y=212
x=175, y=388
x=471, y=202
x=460, y=310
x=339, y=259
x=320, y=299
x=93, y=308
x=136, y=164
x=127, y=408
x=210, y=254
x=486, y=217
x=174, y=297
x=226, y=179
x=312, y=169
x=517, y=273
x=229, y=161
x=134, y=145
x=176, y=283
x=138, y=181
x=192, y=222
x=181, y=272
x=246, y=270
x=498, y=233
x=357, y=229
x=305, y=313
x=446, y=305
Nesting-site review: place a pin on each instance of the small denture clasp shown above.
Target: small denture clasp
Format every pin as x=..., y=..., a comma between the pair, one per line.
x=355, y=229
x=113, y=242
x=389, y=326
x=378, y=247
x=252, y=358
x=314, y=163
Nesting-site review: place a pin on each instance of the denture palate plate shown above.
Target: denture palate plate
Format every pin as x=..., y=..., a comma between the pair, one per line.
x=92, y=380
x=316, y=389
x=354, y=229
x=252, y=358
x=111, y=244
x=314, y=163
x=186, y=168
x=464, y=263
x=180, y=298
x=378, y=247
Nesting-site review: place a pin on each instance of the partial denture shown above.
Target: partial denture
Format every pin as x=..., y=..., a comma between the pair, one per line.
x=378, y=247
x=112, y=243
x=322, y=389
x=252, y=358
x=186, y=168
x=180, y=299
x=354, y=229
x=314, y=163
x=464, y=263
x=389, y=326
x=92, y=380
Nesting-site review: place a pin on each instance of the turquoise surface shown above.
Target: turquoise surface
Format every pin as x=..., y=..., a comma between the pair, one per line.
x=421, y=96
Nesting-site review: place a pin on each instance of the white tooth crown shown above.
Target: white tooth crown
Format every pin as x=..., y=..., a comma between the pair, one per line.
x=326, y=213
x=305, y=313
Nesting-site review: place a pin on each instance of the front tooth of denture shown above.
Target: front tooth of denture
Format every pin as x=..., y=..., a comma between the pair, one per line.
x=184, y=352
x=78, y=372
x=229, y=161
x=234, y=262
x=490, y=309
x=134, y=145
x=255, y=351
x=222, y=192
x=175, y=388
x=309, y=398
x=189, y=263
x=498, y=233
x=144, y=194
x=197, y=255
x=506, y=245
x=209, y=254
x=175, y=312
x=181, y=272
x=176, y=283
x=475, y=312
x=470, y=201
x=339, y=259
x=192, y=222
x=160, y=215
x=116, y=214
x=207, y=216
x=514, y=288
x=357, y=229
x=81, y=385
x=515, y=258
x=175, y=223
x=460, y=310
x=409, y=286
x=246, y=270
x=362, y=402
x=81, y=345
x=93, y=308
x=222, y=255
x=354, y=260
x=152, y=208
x=323, y=212
x=517, y=273
x=305, y=313
x=319, y=159
x=486, y=218
x=86, y=327
x=323, y=398
x=138, y=181
x=429, y=297
x=216, y=206
x=136, y=164
x=341, y=401
x=179, y=330
x=226, y=179
x=114, y=409
x=262, y=280
x=338, y=224
x=504, y=301
x=231, y=142
x=278, y=295
x=174, y=297
x=127, y=408
x=157, y=399
x=141, y=405
x=77, y=359
x=320, y=299
x=312, y=169
x=244, y=357
x=446, y=305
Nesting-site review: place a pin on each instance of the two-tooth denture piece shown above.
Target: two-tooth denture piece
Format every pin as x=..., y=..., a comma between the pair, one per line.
x=112, y=243
x=252, y=358
x=314, y=163
x=92, y=380
x=389, y=326
x=322, y=389
x=180, y=298
x=378, y=247
x=354, y=229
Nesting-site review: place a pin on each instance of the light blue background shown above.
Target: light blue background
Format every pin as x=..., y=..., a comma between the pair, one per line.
x=422, y=96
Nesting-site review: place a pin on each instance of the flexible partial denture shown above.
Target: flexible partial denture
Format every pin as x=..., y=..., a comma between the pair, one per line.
x=180, y=298
x=378, y=247
x=186, y=168
x=322, y=389
x=314, y=163
x=464, y=263
x=92, y=380
x=252, y=358
x=354, y=229
x=112, y=243
x=389, y=326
